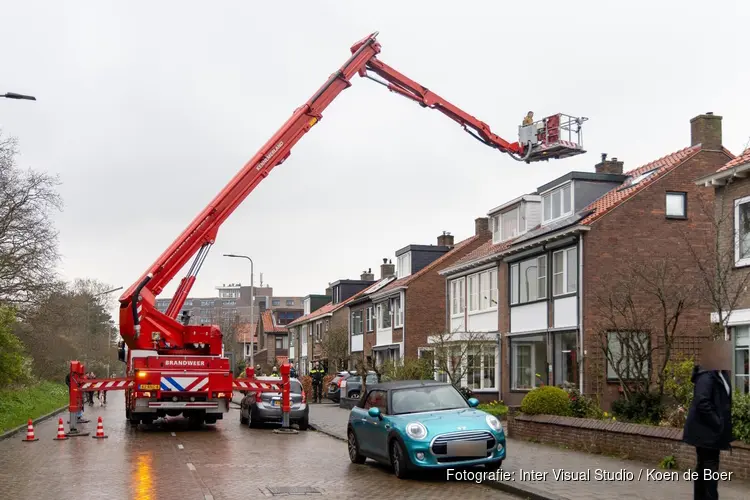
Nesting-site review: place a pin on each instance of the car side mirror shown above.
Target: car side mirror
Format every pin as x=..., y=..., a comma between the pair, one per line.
x=374, y=412
x=473, y=402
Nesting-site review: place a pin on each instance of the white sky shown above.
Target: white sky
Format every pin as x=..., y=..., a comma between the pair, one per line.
x=146, y=110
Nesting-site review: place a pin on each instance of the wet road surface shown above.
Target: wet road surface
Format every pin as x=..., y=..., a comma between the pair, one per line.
x=225, y=461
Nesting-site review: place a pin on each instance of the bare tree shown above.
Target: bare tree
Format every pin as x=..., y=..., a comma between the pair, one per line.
x=713, y=253
x=28, y=239
x=365, y=364
x=639, y=316
x=335, y=346
x=451, y=353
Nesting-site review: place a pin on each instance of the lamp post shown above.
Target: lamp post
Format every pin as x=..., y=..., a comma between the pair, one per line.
x=13, y=95
x=252, y=311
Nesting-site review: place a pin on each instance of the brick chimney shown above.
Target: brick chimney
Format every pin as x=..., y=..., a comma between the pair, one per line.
x=481, y=225
x=329, y=291
x=387, y=269
x=609, y=166
x=706, y=131
x=445, y=239
x=367, y=275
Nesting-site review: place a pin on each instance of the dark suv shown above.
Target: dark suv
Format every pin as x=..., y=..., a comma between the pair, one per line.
x=333, y=392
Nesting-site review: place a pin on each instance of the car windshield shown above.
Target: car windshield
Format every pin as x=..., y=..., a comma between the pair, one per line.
x=372, y=378
x=427, y=398
x=295, y=387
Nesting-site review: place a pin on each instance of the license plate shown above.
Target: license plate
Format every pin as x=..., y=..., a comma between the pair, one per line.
x=277, y=402
x=467, y=448
x=149, y=387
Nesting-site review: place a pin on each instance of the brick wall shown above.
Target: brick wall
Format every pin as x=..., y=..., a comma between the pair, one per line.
x=725, y=196
x=424, y=314
x=635, y=232
x=632, y=441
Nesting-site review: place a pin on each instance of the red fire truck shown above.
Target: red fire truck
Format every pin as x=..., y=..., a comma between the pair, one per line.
x=174, y=367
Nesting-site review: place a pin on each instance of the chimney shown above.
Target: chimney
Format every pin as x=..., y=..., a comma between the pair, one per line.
x=481, y=225
x=445, y=239
x=367, y=275
x=329, y=291
x=706, y=131
x=608, y=166
x=387, y=269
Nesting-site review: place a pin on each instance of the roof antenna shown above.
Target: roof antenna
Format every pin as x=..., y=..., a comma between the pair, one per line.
x=604, y=157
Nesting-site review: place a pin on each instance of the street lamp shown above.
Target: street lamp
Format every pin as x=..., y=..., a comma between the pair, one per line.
x=252, y=311
x=13, y=95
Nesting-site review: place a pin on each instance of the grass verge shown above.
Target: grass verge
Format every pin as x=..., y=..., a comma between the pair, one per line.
x=19, y=405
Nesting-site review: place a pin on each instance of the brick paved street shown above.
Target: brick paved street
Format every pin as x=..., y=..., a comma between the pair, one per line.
x=228, y=461
x=541, y=458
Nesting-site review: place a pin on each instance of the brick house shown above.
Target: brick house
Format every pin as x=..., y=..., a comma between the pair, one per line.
x=731, y=186
x=550, y=250
x=362, y=315
x=311, y=329
x=273, y=339
x=410, y=308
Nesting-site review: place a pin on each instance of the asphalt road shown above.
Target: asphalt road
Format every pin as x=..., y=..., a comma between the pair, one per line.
x=225, y=461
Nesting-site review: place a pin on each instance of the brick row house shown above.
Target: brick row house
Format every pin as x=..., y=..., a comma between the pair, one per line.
x=531, y=290
x=393, y=319
x=731, y=184
x=273, y=339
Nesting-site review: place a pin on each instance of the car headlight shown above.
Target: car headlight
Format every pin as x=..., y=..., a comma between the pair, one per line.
x=416, y=430
x=494, y=423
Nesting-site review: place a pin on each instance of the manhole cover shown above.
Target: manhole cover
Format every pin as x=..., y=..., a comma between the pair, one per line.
x=293, y=490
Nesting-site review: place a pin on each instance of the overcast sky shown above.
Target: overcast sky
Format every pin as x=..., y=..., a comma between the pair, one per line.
x=147, y=109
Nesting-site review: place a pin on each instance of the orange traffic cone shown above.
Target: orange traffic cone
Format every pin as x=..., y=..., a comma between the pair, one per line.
x=30, y=433
x=60, y=431
x=99, y=430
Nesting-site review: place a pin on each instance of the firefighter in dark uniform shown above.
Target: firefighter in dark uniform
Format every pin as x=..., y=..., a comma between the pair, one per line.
x=317, y=375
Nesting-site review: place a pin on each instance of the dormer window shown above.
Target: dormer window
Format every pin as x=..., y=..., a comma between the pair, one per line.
x=557, y=203
x=507, y=225
x=404, y=265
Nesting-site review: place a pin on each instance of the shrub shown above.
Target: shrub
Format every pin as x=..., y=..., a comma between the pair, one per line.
x=546, y=400
x=583, y=406
x=306, y=381
x=407, y=369
x=642, y=407
x=14, y=366
x=677, y=383
x=495, y=408
x=741, y=416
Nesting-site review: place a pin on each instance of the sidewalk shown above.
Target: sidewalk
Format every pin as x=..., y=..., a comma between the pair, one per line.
x=540, y=459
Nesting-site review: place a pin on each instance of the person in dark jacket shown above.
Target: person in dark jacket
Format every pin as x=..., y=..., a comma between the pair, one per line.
x=709, y=422
x=317, y=375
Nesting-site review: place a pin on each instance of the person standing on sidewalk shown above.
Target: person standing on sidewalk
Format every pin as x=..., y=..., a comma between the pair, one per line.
x=317, y=382
x=709, y=422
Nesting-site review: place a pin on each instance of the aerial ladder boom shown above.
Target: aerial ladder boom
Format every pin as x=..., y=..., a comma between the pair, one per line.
x=164, y=332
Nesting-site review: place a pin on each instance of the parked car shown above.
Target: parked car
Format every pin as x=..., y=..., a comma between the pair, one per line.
x=265, y=407
x=423, y=424
x=333, y=392
x=352, y=386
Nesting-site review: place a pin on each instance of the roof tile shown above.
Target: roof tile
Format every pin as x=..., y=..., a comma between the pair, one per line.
x=329, y=308
x=245, y=332
x=736, y=162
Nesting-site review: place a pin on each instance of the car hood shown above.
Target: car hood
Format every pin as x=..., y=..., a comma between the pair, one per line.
x=439, y=422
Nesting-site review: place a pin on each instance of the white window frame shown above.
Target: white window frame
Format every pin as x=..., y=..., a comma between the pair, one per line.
x=483, y=351
x=403, y=265
x=739, y=261
x=458, y=297
x=565, y=271
x=683, y=196
x=278, y=339
x=398, y=312
x=739, y=372
x=357, y=321
x=473, y=289
x=383, y=312
x=515, y=280
x=370, y=318
x=547, y=200
x=482, y=291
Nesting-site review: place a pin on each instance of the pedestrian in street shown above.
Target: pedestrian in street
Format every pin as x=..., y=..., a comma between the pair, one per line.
x=293, y=372
x=90, y=394
x=317, y=382
x=709, y=422
x=275, y=372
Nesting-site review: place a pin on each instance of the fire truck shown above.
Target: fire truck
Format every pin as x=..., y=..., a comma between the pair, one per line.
x=174, y=367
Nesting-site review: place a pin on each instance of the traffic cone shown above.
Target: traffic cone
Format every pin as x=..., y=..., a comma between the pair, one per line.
x=99, y=430
x=30, y=433
x=60, y=431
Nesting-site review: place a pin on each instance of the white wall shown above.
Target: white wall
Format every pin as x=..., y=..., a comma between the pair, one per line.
x=357, y=342
x=384, y=337
x=529, y=317
x=458, y=324
x=483, y=322
x=566, y=312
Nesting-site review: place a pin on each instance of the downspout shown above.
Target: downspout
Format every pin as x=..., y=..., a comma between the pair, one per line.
x=403, y=326
x=581, y=351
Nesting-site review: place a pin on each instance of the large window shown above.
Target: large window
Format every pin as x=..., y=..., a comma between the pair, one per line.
x=357, y=323
x=458, y=299
x=483, y=291
x=528, y=280
x=370, y=319
x=398, y=312
x=565, y=271
x=478, y=365
x=480, y=368
x=741, y=336
x=529, y=362
x=404, y=265
x=275, y=302
x=565, y=358
x=742, y=231
x=282, y=342
x=628, y=355
x=557, y=203
x=473, y=292
x=507, y=225
x=384, y=315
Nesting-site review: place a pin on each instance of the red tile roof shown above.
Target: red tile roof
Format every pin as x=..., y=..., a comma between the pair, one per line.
x=269, y=325
x=485, y=250
x=245, y=332
x=330, y=308
x=620, y=194
x=736, y=162
x=435, y=264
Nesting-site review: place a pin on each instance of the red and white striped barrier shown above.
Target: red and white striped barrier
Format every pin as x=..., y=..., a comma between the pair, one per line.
x=258, y=386
x=98, y=385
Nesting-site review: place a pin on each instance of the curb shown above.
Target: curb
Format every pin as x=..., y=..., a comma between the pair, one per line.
x=526, y=492
x=21, y=427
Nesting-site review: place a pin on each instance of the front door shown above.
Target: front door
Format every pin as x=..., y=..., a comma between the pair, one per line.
x=371, y=434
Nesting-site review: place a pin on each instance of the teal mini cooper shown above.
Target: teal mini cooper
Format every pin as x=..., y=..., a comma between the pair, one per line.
x=423, y=424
